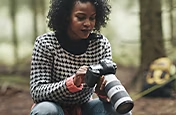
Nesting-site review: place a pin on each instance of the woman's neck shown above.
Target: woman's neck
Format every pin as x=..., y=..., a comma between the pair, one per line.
x=71, y=45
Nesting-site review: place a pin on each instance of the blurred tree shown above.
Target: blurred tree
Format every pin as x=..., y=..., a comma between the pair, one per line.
x=34, y=10
x=173, y=37
x=13, y=8
x=43, y=10
x=38, y=7
x=152, y=45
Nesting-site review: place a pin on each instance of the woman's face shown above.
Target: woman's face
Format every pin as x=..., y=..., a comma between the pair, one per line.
x=82, y=20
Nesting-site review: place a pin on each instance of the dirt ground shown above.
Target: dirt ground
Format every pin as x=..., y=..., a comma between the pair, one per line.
x=15, y=101
x=18, y=102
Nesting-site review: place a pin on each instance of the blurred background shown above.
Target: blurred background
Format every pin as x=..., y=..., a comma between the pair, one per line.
x=139, y=31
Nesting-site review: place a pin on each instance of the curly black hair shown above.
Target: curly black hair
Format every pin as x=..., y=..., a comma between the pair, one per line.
x=60, y=10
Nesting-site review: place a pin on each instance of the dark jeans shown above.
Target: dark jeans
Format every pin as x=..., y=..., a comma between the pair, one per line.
x=93, y=107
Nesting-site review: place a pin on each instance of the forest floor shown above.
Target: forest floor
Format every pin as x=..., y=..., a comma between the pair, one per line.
x=17, y=101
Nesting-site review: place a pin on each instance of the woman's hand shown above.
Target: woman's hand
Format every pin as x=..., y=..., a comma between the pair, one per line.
x=79, y=76
x=99, y=89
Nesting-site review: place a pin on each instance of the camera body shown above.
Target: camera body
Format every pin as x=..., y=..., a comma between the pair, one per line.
x=94, y=72
x=117, y=94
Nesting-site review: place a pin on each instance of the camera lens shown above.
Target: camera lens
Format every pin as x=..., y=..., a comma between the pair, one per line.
x=119, y=97
x=117, y=94
x=125, y=107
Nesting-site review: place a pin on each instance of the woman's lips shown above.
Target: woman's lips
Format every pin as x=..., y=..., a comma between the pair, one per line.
x=86, y=31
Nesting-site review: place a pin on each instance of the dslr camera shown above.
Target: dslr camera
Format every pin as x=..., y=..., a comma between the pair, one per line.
x=117, y=94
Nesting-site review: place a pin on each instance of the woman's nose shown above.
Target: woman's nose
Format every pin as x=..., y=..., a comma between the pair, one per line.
x=87, y=23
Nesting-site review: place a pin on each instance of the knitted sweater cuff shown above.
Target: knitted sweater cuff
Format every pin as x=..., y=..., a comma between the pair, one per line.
x=70, y=85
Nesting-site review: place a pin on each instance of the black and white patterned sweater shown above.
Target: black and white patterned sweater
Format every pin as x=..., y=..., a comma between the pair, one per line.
x=52, y=66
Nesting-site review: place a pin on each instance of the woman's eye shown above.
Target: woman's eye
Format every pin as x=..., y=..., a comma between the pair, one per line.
x=92, y=18
x=80, y=18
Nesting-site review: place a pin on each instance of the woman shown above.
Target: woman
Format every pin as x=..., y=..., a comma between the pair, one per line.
x=60, y=60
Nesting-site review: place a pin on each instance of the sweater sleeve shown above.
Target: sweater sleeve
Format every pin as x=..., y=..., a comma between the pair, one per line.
x=71, y=87
x=41, y=86
x=41, y=69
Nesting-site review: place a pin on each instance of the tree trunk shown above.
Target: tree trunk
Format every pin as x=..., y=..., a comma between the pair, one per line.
x=173, y=39
x=34, y=10
x=152, y=45
x=42, y=3
x=14, y=32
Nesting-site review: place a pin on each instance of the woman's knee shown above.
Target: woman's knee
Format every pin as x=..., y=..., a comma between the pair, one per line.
x=47, y=108
x=97, y=107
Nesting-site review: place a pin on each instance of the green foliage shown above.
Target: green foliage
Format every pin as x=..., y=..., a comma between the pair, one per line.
x=6, y=52
x=122, y=30
x=126, y=54
x=14, y=81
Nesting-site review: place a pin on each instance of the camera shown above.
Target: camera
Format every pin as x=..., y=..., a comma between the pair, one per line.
x=115, y=91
